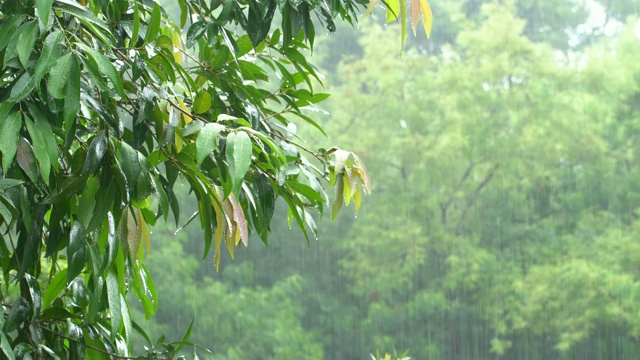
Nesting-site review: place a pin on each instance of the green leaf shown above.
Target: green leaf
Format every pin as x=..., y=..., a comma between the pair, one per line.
x=59, y=75
x=207, y=140
x=136, y=25
x=195, y=32
x=72, y=95
x=88, y=19
x=238, y=154
x=8, y=27
x=97, y=149
x=26, y=42
x=113, y=297
x=54, y=288
x=202, y=102
x=126, y=320
x=22, y=87
x=76, y=251
x=130, y=166
x=34, y=292
x=6, y=347
x=17, y=315
x=111, y=246
x=51, y=51
x=106, y=68
x=154, y=24
x=7, y=183
x=43, y=8
x=337, y=202
x=104, y=201
x=40, y=149
x=9, y=132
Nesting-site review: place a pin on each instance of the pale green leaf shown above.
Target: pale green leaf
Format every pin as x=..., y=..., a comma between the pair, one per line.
x=59, y=75
x=202, y=102
x=207, y=140
x=9, y=132
x=113, y=297
x=238, y=154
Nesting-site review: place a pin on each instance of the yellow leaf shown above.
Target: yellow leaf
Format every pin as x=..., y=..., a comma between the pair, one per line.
x=357, y=198
x=177, y=55
x=427, y=16
x=187, y=119
x=145, y=234
x=347, y=186
x=393, y=8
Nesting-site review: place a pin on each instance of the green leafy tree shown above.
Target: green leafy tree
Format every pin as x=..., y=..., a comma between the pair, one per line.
x=104, y=107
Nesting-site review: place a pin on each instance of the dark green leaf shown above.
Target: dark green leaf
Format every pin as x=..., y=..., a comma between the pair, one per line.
x=72, y=95
x=96, y=151
x=76, y=251
x=34, y=293
x=17, y=315
x=26, y=42
x=6, y=347
x=154, y=24
x=22, y=88
x=43, y=10
x=8, y=27
x=195, y=32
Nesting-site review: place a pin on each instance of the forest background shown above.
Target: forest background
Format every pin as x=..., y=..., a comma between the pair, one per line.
x=504, y=220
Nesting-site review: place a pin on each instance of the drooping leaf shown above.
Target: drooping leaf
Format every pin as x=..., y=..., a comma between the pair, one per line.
x=97, y=149
x=43, y=8
x=76, y=251
x=154, y=24
x=113, y=297
x=238, y=155
x=72, y=94
x=427, y=16
x=27, y=160
x=17, y=315
x=106, y=68
x=59, y=76
x=33, y=288
x=51, y=51
x=9, y=132
x=39, y=148
x=6, y=347
x=26, y=42
x=207, y=140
